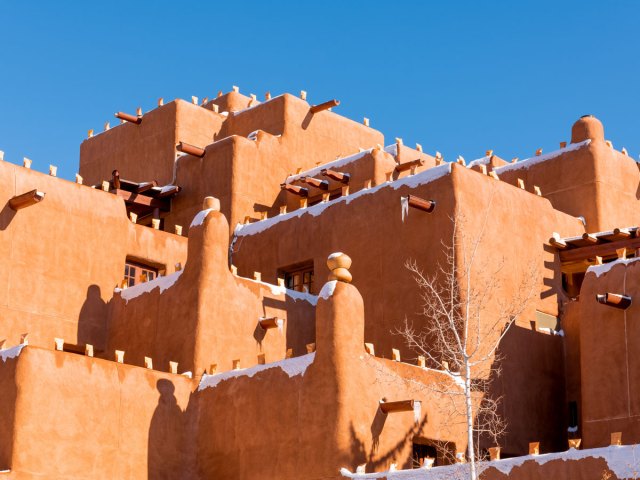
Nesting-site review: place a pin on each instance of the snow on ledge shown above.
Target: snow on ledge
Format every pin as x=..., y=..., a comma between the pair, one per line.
x=623, y=461
x=605, y=267
x=312, y=172
x=328, y=289
x=12, y=352
x=199, y=218
x=422, y=178
x=291, y=366
x=480, y=161
x=278, y=290
x=162, y=282
x=541, y=158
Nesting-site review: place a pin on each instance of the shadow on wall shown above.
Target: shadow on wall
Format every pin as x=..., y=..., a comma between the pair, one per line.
x=92, y=321
x=375, y=460
x=165, y=456
x=6, y=215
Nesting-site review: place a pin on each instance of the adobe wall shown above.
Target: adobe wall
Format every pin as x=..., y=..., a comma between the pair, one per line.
x=204, y=314
x=587, y=178
x=64, y=256
x=147, y=151
x=609, y=354
x=391, y=294
x=82, y=417
x=303, y=417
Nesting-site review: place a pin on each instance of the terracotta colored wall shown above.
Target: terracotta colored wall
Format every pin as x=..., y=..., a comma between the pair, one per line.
x=593, y=181
x=62, y=261
x=81, y=417
x=610, y=361
x=208, y=315
x=147, y=151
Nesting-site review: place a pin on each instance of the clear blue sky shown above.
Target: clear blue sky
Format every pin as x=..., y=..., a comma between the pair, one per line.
x=457, y=77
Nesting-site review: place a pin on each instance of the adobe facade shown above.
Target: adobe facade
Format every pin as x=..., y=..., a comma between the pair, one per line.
x=181, y=311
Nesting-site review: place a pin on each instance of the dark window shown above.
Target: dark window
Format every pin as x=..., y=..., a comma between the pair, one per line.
x=420, y=452
x=300, y=278
x=573, y=414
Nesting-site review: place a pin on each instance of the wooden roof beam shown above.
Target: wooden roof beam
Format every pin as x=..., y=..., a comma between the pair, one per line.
x=614, y=300
x=26, y=200
x=314, y=182
x=299, y=191
x=324, y=106
x=190, y=149
x=601, y=250
x=403, y=167
x=141, y=200
x=129, y=118
x=421, y=204
x=337, y=176
x=399, y=406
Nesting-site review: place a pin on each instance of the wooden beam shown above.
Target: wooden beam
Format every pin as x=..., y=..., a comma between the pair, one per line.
x=270, y=322
x=300, y=191
x=190, y=149
x=614, y=300
x=314, y=182
x=141, y=200
x=115, y=179
x=337, y=176
x=324, y=106
x=129, y=118
x=601, y=250
x=421, y=204
x=399, y=406
x=26, y=199
x=589, y=238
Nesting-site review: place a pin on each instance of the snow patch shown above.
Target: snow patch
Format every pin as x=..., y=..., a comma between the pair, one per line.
x=335, y=255
x=161, y=282
x=331, y=165
x=541, y=158
x=605, y=267
x=12, y=352
x=291, y=366
x=278, y=290
x=479, y=161
x=623, y=461
x=412, y=181
x=328, y=289
x=199, y=218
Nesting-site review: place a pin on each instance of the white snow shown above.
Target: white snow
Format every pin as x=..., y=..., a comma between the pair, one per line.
x=291, y=366
x=404, y=206
x=392, y=149
x=12, y=352
x=328, y=289
x=335, y=255
x=199, y=218
x=422, y=178
x=278, y=290
x=540, y=158
x=605, y=267
x=253, y=135
x=623, y=461
x=161, y=282
x=331, y=165
x=479, y=161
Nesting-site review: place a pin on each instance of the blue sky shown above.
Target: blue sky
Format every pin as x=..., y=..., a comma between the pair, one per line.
x=457, y=77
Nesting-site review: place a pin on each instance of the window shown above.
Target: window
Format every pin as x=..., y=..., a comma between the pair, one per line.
x=135, y=273
x=420, y=452
x=300, y=278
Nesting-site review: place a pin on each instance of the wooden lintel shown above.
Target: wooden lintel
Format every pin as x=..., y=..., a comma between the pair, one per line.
x=402, y=167
x=589, y=238
x=558, y=243
x=26, y=199
x=601, y=250
x=421, y=203
x=129, y=118
x=324, y=106
x=614, y=300
x=143, y=187
x=337, y=176
x=399, y=406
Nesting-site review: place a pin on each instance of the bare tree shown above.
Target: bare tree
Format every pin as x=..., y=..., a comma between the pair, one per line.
x=466, y=321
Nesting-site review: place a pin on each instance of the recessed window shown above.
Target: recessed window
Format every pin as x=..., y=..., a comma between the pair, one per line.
x=135, y=273
x=300, y=278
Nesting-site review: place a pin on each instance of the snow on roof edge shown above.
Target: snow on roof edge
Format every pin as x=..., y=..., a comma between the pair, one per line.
x=291, y=366
x=526, y=163
x=605, y=267
x=12, y=352
x=163, y=283
x=424, y=177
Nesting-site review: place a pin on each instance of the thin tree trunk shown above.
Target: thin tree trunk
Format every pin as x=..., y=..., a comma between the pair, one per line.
x=467, y=396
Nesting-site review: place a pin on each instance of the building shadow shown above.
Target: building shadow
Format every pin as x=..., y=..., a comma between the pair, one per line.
x=165, y=455
x=92, y=321
x=6, y=215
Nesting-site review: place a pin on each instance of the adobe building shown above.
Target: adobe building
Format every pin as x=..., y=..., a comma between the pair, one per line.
x=182, y=310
